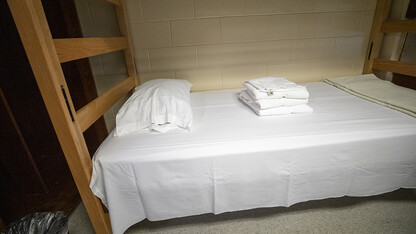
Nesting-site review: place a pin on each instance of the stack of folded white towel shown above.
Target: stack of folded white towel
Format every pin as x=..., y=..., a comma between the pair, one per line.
x=275, y=96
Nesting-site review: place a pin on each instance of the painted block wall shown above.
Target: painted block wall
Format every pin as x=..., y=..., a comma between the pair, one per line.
x=217, y=44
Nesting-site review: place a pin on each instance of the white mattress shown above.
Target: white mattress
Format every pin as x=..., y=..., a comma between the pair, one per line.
x=235, y=160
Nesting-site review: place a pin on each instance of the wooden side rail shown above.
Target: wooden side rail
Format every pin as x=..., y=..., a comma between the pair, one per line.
x=395, y=66
x=115, y=2
x=88, y=114
x=398, y=26
x=36, y=37
x=69, y=49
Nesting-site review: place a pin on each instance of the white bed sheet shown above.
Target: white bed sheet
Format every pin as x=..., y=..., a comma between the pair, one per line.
x=235, y=160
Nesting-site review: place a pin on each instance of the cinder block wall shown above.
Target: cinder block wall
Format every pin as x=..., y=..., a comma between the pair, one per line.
x=217, y=44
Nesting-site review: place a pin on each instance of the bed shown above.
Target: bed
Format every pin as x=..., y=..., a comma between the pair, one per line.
x=320, y=154
x=235, y=160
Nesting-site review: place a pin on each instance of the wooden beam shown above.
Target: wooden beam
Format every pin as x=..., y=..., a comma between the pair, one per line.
x=95, y=109
x=395, y=66
x=115, y=2
x=376, y=36
x=398, y=26
x=33, y=28
x=69, y=49
x=128, y=52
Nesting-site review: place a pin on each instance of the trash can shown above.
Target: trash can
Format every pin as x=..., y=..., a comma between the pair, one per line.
x=40, y=223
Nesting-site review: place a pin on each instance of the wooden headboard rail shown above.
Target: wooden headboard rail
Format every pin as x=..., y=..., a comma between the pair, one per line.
x=381, y=26
x=45, y=55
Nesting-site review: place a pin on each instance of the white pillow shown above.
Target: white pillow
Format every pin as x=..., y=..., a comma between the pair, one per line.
x=160, y=105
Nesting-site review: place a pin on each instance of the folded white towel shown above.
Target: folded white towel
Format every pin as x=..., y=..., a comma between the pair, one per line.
x=271, y=103
x=299, y=92
x=267, y=84
x=284, y=110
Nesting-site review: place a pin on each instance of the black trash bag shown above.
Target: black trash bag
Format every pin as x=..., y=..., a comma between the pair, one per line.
x=40, y=223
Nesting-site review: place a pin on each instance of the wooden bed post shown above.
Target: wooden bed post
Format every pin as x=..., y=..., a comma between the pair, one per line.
x=33, y=28
x=376, y=36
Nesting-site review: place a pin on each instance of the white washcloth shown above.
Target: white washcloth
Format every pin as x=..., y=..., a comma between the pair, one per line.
x=271, y=87
x=271, y=103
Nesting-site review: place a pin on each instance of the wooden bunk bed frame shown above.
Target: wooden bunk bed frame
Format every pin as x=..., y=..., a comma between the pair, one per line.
x=46, y=54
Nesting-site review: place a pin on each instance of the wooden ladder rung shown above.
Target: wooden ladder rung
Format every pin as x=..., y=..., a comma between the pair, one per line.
x=398, y=26
x=69, y=49
x=395, y=66
x=88, y=114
